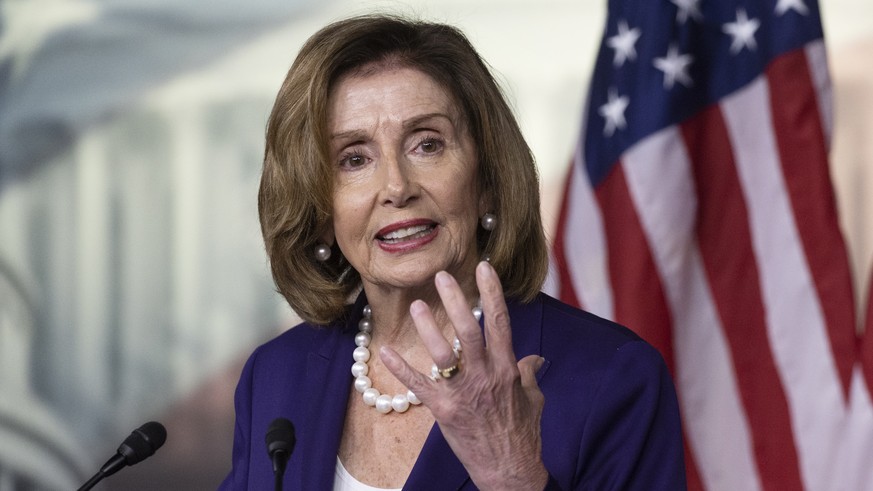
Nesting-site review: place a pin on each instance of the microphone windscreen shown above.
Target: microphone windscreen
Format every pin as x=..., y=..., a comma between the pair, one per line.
x=280, y=436
x=143, y=442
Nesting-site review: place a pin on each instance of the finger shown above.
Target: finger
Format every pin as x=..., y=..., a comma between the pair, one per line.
x=498, y=333
x=461, y=316
x=418, y=383
x=440, y=350
x=528, y=368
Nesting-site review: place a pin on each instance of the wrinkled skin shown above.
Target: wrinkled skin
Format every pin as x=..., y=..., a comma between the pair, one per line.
x=490, y=411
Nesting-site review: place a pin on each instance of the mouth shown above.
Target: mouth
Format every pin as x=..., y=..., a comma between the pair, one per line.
x=406, y=233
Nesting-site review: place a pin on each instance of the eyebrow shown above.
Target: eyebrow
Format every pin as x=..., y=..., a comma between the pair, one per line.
x=357, y=135
x=418, y=120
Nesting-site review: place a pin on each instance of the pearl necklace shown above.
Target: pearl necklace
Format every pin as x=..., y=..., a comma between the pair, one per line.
x=385, y=403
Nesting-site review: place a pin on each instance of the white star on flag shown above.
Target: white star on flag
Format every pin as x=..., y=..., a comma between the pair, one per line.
x=687, y=8
x=675, y=67
x=742, y=31
x=613, y=112
x=623, y=43
x=798, y=6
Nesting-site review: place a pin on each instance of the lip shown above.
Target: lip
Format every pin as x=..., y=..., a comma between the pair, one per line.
x=408, y=244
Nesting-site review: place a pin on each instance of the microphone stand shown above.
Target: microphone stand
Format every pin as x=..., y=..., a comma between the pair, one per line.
x=280, y=460
x=280, y=440
x=278, y=481
x=92, y=482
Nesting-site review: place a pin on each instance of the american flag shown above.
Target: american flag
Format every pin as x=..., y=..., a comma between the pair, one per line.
x=699, y=212
x=854, y=468
x=867, y=347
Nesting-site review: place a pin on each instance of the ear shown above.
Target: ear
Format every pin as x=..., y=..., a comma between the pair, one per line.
x=328, y=236
x=486, y=204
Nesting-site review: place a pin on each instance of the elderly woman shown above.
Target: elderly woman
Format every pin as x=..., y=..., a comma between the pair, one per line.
x=399, y=205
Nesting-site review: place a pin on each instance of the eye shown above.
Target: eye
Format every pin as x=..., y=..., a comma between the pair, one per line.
x=429, y=145
x=352, y=160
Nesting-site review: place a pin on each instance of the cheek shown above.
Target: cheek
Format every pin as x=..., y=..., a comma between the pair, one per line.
x=462, y=203
x=348, y=234
x=464, y=193
x=348, y=221
x=348, y=225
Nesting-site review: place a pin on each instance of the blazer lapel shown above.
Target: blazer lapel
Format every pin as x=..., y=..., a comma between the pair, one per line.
x=436, y=466
x=327, y=386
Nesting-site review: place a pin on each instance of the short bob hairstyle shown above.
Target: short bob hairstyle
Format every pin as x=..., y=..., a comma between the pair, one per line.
x=296, y=190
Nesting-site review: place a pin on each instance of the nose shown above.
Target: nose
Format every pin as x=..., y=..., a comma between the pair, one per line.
x=398, y=181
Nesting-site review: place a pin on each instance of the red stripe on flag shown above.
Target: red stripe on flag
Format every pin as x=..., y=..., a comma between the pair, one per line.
x=729, y=260
x=640, y=302
x=867, y=344
x=692, y=475
x=566, y=291
x=803, y=153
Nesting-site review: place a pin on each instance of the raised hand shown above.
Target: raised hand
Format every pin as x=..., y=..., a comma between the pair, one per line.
x=489, y=409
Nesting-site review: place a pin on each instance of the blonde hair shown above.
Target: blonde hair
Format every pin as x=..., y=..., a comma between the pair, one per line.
x=294, y=201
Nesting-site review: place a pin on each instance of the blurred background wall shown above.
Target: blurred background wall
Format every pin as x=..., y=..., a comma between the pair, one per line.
x=133, y=282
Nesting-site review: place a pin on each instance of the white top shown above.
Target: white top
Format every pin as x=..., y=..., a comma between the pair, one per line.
x=347, y=482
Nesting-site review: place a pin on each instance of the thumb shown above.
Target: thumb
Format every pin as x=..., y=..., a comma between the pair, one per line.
x=528, y=368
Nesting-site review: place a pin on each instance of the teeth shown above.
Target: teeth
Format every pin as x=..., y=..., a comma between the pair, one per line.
x=405, y=233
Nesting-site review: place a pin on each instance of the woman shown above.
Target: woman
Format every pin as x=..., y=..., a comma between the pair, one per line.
x=393, y=167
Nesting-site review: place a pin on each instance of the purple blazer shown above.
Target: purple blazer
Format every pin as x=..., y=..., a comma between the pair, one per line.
x=610, y=421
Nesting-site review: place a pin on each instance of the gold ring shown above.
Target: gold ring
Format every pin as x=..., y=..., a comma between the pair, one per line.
x=449, y=372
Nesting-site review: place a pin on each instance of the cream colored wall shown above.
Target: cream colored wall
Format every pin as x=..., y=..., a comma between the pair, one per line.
x=852, y=151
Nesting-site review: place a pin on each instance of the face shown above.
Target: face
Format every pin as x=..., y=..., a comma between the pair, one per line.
x=406, y=198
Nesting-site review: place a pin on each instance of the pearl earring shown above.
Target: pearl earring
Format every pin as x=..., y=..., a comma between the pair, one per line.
x=489, y=221
x=322, y=252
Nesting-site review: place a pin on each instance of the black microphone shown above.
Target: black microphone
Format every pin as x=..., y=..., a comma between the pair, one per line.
x=137, y=447
x=280, y=443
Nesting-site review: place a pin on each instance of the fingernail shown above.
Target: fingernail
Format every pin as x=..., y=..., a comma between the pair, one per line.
x=485, y=268
x=416, y=307
x=442, y=278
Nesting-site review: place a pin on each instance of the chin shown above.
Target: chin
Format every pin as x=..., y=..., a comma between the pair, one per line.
x=414, y=273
